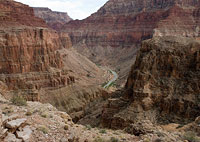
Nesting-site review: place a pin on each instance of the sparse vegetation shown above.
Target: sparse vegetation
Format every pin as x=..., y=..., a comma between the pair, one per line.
x=104, y=84
x=112, y=84
x=8, y=110
x=88, y=127
x=147, y=140
x=66, y=127
x=179, y=126
x=43, y=129
x=43, y=114
x=28, y=113
x=99, y=139
x=113, y=139
x=18, y=100
x=191, y=137
x=103, y=131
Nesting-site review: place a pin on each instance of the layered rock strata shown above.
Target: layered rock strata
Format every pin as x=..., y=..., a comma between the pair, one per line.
x=39, y=64
x=113, y=34
x=54, y=19
x=163, y=85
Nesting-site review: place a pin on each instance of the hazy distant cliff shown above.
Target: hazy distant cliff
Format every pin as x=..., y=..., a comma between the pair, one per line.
x=54, y=19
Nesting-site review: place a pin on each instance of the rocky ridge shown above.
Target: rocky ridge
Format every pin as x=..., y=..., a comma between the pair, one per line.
x=162, y=87
x=36, y=122
x=54, y=19
x=17, y=14
x=42, y=122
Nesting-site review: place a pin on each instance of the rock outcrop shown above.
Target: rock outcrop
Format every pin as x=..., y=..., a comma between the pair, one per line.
x=38, y=63
x=37, y=122
x=113, y=34
x=163, y=85
x=54, y=19
x=29, y=51
x=16, y=14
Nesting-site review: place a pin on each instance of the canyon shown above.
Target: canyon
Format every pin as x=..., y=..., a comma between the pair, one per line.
x=57, y=74
x=38, y=63
x=112, y=36
x=162, y=87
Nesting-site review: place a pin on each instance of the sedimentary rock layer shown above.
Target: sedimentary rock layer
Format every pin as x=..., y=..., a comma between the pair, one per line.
x=53, y=19
x=163, y=84
x=16, y=14
x=112, y=35
x=38, y=63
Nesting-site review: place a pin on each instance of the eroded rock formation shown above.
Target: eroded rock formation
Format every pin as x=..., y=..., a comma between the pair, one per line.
x=16, y=14
x=39, y=64
x=29, y=51
x=163, y=85
x=54, y=19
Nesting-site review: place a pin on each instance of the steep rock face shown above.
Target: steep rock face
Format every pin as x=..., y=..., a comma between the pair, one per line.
x=54, y=19
x=117, y=7
x=29, y=58
x=112, y=35
x=39, y=64
x=17, y=14
x=167, y=74
x=164, y=84
x=28, y=55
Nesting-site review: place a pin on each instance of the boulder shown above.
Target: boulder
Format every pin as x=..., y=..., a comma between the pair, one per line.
x=197, y=120
x=15, y=124
x=25, y=134
x=11, y=138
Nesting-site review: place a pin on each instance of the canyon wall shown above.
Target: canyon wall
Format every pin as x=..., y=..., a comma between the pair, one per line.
x=163, y=85
x=112, y=35
x=54, y=19
x=39, y=63
x=17, y=14
x=29, y=51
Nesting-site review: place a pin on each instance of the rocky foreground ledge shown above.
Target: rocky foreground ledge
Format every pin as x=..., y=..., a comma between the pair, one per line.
x=36, y=122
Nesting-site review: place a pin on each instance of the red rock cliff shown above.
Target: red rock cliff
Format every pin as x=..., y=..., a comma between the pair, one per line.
x=163, y=85
x=29, y=50
x=111, y=35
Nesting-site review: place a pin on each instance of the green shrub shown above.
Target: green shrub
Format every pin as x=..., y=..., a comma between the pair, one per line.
x=113, y=139
x=66, y=127
x=88, y=127
x=43, y=129
x=18, y=100
x=8, y=110
x=98, y=139
x=191, y=137
x=103, y=131
x=28, y=113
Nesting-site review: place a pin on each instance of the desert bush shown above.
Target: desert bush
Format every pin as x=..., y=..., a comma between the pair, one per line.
x=43, y=129
x=66, y=127
x=98, y=139
x=103, y=131
x=18, y=100
x=113, y=139
x=43, y=114
x=88, y=127
x=191, y=137
x=29, y=113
